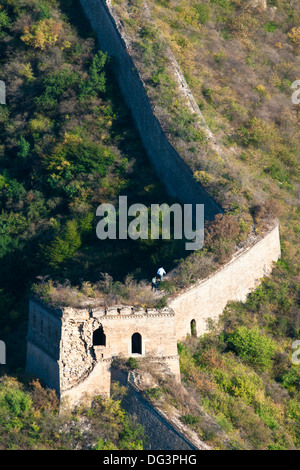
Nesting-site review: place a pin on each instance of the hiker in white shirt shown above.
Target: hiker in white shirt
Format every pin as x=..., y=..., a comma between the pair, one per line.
x=161, y=272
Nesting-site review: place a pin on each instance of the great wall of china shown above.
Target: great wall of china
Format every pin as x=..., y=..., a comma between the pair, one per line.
x=71, y=349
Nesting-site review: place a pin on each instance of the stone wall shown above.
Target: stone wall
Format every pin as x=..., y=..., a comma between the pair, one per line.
x=79, y=365
x=170, y=167
x=43, y=344
x=232, y=282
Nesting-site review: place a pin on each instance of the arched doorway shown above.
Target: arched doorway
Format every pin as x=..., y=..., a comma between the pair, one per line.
x=193, y=328
x=99, y=338
x=136, y=344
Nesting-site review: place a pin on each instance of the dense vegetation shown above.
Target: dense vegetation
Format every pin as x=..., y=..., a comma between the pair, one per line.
x=243, y=377
x=67, y=144
x=31, y=420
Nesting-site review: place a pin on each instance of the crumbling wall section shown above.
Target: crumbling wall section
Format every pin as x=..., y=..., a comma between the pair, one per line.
x=79, y=355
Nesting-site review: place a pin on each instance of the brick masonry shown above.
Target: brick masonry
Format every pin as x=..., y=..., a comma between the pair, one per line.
x=232, y=282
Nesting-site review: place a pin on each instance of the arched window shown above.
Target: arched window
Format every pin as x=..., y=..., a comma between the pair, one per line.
x=136, y=344
x=193, y=328
x=99, y=338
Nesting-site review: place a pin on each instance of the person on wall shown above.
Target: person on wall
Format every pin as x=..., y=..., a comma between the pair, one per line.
x=160, y=273
x=154, y=284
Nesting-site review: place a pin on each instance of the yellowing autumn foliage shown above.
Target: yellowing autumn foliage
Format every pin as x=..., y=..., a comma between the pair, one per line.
x=294, y=36
x=72, y=138
x=27, y=72
x=44, y=32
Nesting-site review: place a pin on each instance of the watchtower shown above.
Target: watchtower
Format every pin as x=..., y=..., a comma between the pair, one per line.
x=71, y=349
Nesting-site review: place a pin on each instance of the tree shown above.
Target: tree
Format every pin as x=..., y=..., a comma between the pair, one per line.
x=294, y=35
x=24, y=148
x=96, y=82
x=4, y=20
x=44, y=33
x=63, y=247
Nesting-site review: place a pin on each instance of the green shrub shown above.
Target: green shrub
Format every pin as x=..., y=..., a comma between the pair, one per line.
x=131, y=437
x=4, y=21
x=270, y=27
x=55, y=85
x=223, y=380
x=246, y=386
x=268, y=416
x=17, y=401
x=154, y=393
x=15, y=405
x=64, y=245
x=96, y=82
x=294, y=410
x=252, y=346
x=132, y=363
x=224, y=6
x=104, y=444
x=191, y=420
x=203, y=12
x=291, y=379
x=24, y=148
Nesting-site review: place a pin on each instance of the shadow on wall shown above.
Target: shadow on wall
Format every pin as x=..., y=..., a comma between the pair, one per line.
x=159, y=433
x=169, y=166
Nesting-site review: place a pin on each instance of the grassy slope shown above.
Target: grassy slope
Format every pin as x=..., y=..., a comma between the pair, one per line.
x=240, y=66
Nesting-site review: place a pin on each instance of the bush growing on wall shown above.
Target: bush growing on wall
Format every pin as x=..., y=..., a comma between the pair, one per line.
x=221, y=236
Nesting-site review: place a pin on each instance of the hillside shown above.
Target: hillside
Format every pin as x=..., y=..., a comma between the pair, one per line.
x=239, y=63
x=68, y=144
x=240, y=60
x=31, y=419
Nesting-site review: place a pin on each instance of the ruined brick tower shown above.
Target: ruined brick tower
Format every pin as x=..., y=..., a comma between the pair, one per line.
x=71, y=350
